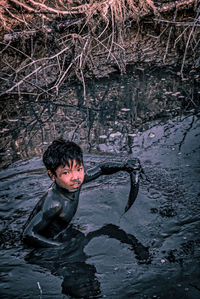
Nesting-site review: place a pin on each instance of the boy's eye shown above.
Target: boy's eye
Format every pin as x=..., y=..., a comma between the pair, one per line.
x=80, y=169
x=66, y=172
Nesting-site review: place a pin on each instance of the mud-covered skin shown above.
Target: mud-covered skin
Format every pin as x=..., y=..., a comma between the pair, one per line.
x=55, y=210
x=134, y=181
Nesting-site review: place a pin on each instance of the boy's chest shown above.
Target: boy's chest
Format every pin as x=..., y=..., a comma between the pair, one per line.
x=69, y=207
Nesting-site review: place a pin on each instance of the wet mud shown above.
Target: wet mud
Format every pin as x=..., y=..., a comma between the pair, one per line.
x=152, y=251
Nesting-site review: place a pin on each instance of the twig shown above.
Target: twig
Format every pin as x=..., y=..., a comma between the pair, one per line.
x=9, y=45
x=175, y=5
x=178, y=38
x=107, y=24
x=79, y=124
x=21, y=81
x=185, y=133
x=81, y=69
x=169, y=37
x=39, y=287
x=113, y=33
x=23, y=5
x=188, y=94
x=188, y=41
x=59, y=81
x=38, y=87
x=176, y=23
x=118, y=45
x=45, y=58
x=13, y=16
x=16, y=35
x=35, y=61
x=107, y=50
x=48, y=9
x=159, y=36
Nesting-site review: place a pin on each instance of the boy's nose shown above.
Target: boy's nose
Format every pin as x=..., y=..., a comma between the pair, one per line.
x=74, y=175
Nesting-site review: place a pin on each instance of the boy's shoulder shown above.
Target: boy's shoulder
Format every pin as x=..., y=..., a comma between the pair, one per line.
x=51, y=199
x=48, y=204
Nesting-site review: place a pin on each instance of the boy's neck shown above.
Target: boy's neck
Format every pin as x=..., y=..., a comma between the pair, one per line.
x=64, y=191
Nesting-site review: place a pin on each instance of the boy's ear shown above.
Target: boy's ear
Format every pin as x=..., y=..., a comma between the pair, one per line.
x=51, y=175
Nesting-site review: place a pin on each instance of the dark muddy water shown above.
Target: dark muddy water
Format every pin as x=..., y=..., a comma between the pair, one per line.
x=163, y=260
x=115, y=108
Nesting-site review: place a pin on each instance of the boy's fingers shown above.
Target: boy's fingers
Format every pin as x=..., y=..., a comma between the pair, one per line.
x=133, y=164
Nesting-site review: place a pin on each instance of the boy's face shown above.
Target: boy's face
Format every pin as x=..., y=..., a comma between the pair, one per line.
x=70, y=177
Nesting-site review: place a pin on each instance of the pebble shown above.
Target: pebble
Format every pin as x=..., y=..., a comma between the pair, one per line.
x=102, y=136
x=125, y=109
x=117, y=134
x=168, y=92
x=151, y=135
x=175, y=94
x=162, y=261
x=4, y=130
x=12, y=120
x=132, y=135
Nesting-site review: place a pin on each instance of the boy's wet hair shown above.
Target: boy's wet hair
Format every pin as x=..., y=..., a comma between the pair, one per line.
x=60, y=152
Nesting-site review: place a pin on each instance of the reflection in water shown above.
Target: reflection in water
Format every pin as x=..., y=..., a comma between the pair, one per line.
x=70, y=261
x=115, y=109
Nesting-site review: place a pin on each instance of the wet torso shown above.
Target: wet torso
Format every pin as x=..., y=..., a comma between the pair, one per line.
x=63, y=202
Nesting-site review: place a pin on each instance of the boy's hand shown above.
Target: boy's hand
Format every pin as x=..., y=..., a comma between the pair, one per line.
x=132, y=165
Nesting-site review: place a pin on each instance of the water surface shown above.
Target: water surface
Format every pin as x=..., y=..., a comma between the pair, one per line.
x=164, y=259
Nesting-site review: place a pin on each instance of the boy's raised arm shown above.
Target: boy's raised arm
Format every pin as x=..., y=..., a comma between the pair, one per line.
x=39, y=222
x=112, y=167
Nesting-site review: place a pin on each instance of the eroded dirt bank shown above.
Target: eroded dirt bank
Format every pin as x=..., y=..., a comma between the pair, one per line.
x=44, y=46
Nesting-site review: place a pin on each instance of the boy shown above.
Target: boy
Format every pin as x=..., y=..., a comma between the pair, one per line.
x=54, y=211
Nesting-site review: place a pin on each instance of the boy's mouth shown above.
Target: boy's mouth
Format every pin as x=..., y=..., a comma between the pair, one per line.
x=76, y=184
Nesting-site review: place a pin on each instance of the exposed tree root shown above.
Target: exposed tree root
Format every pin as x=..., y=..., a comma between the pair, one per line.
x=72, y=35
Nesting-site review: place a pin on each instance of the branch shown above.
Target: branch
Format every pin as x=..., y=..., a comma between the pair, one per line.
x=21, y=81
x=60, y=80
x=180, y=4
x=48, y=9
x=176, y=23
x=17, y=35
x=13, y=16
x=188, y=41
x=169, y=37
